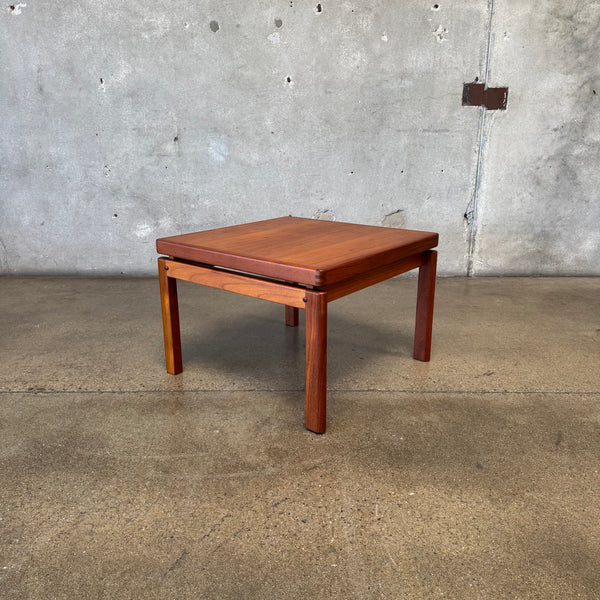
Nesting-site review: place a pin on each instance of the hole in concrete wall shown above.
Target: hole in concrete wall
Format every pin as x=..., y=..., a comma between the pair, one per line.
x=176, y=138
x=318, y=8
x=435, y=7
x=440, y=34
x=274, y=38
x=278, y=23
x=15, y=9
x=468, y=220
x=214, y=26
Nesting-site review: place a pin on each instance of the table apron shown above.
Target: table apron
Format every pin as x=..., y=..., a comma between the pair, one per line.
x=376, y=275
x=237, y=283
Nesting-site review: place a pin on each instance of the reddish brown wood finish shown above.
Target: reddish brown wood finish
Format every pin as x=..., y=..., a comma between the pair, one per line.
x=170, y=318
x=359, y=282
x=291, y=316
x=245, y=285
x=301, y=263
x=307, y=251
x=316, y=361
x=425, y=298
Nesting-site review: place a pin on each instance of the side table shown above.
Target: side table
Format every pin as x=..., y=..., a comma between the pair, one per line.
x=302, y=264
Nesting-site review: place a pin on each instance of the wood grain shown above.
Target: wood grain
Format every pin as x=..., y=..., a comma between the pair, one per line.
x=307, y=251
x=316, y=361
x=291, y=316
x=425, y=298
x=363, y=280
x=237, y=283
x=170, y=318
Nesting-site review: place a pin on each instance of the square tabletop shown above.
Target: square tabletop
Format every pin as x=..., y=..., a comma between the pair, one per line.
x=305, y=251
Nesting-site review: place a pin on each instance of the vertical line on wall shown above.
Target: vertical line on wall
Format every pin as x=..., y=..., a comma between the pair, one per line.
x=471, y=212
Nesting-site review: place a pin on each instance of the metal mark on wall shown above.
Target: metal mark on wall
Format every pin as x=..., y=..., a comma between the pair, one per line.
x=478, y=94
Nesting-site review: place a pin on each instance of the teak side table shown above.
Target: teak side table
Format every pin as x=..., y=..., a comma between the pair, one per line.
x=300, y=263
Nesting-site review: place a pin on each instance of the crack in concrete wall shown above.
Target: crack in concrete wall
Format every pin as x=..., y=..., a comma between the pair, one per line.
x=471, y=212
x=4, y=266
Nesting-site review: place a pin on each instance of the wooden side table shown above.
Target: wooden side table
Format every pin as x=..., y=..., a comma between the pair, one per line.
x=302, y=264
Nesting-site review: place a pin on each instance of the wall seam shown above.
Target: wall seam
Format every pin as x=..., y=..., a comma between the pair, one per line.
x=471, y=214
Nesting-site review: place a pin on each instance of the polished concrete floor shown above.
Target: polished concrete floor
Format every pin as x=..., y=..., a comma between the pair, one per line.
x=474, y=476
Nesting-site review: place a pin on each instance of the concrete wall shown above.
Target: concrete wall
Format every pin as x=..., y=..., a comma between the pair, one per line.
x=126, y=121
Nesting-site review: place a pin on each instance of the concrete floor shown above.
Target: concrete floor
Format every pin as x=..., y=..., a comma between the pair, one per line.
x=473, y=476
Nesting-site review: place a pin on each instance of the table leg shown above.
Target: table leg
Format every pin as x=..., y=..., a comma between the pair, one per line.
x=316, y=361
x=291, y=316
x=425, y=297
x=170, y=317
